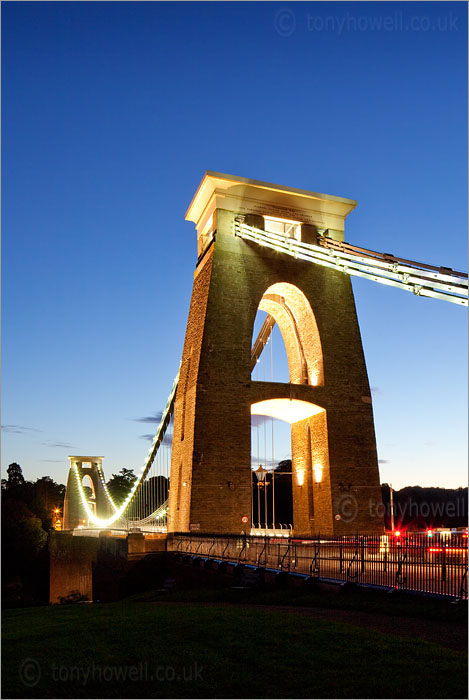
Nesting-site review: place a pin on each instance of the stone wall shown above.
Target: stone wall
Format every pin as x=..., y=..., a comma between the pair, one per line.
x=210, y=471
x=101, y=568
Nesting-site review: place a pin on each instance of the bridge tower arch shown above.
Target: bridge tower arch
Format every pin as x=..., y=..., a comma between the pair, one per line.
x=336, y=489
x=88, y=468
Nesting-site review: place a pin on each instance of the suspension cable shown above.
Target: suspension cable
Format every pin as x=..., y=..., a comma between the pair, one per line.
x=129, y=500
x=419, y=278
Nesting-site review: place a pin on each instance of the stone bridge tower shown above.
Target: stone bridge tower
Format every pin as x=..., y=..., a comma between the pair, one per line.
x=327, y=401
x=74, y=511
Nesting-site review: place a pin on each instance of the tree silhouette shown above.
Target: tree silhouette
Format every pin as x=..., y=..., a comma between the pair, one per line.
x=120, y=484
x=15, y=475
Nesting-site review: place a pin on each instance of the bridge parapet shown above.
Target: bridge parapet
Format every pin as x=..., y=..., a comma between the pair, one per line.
x=382, y=560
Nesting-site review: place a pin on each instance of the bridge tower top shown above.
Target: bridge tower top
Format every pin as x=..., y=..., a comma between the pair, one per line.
x=246, y=196
x=84, y=462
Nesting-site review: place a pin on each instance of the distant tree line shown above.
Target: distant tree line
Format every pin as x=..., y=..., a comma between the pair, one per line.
x=422, y=507
x=28, y=511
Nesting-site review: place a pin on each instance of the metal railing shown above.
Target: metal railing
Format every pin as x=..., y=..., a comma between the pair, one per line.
x=435, y=565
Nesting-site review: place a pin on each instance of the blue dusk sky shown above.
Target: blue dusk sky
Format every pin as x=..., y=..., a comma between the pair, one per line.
x=111, y=113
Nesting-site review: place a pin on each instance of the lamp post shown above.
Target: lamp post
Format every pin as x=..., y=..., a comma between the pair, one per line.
x=260, y=475
x=273, y=498
x=56, y=517
x=391, y=503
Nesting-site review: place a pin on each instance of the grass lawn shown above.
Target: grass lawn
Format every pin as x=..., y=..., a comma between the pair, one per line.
x=398, y=604
x=133, y=649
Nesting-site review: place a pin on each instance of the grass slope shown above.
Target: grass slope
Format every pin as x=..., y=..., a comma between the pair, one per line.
x=228, y=651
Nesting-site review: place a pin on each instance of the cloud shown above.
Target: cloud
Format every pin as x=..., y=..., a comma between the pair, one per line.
x=155, y=419
x=167, y=440
x=11, y=428
x=267, y=463
x=58, y=443
x=383, y=461
x=375, y=390
x=52, y=460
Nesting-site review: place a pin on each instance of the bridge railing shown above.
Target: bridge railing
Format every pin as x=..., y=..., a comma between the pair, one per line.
x=434, y=564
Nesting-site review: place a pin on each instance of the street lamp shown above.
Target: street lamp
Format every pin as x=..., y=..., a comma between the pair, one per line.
x=56, y=518
x=260, y=473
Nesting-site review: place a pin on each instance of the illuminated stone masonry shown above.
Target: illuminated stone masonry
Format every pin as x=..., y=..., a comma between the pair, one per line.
x=328, y=399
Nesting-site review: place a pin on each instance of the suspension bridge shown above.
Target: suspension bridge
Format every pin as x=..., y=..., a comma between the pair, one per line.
x=280, y=251
x=283, y=233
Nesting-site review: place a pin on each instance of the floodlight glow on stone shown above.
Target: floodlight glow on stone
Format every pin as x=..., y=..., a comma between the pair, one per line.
x=288, y=410
x=318, y=473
